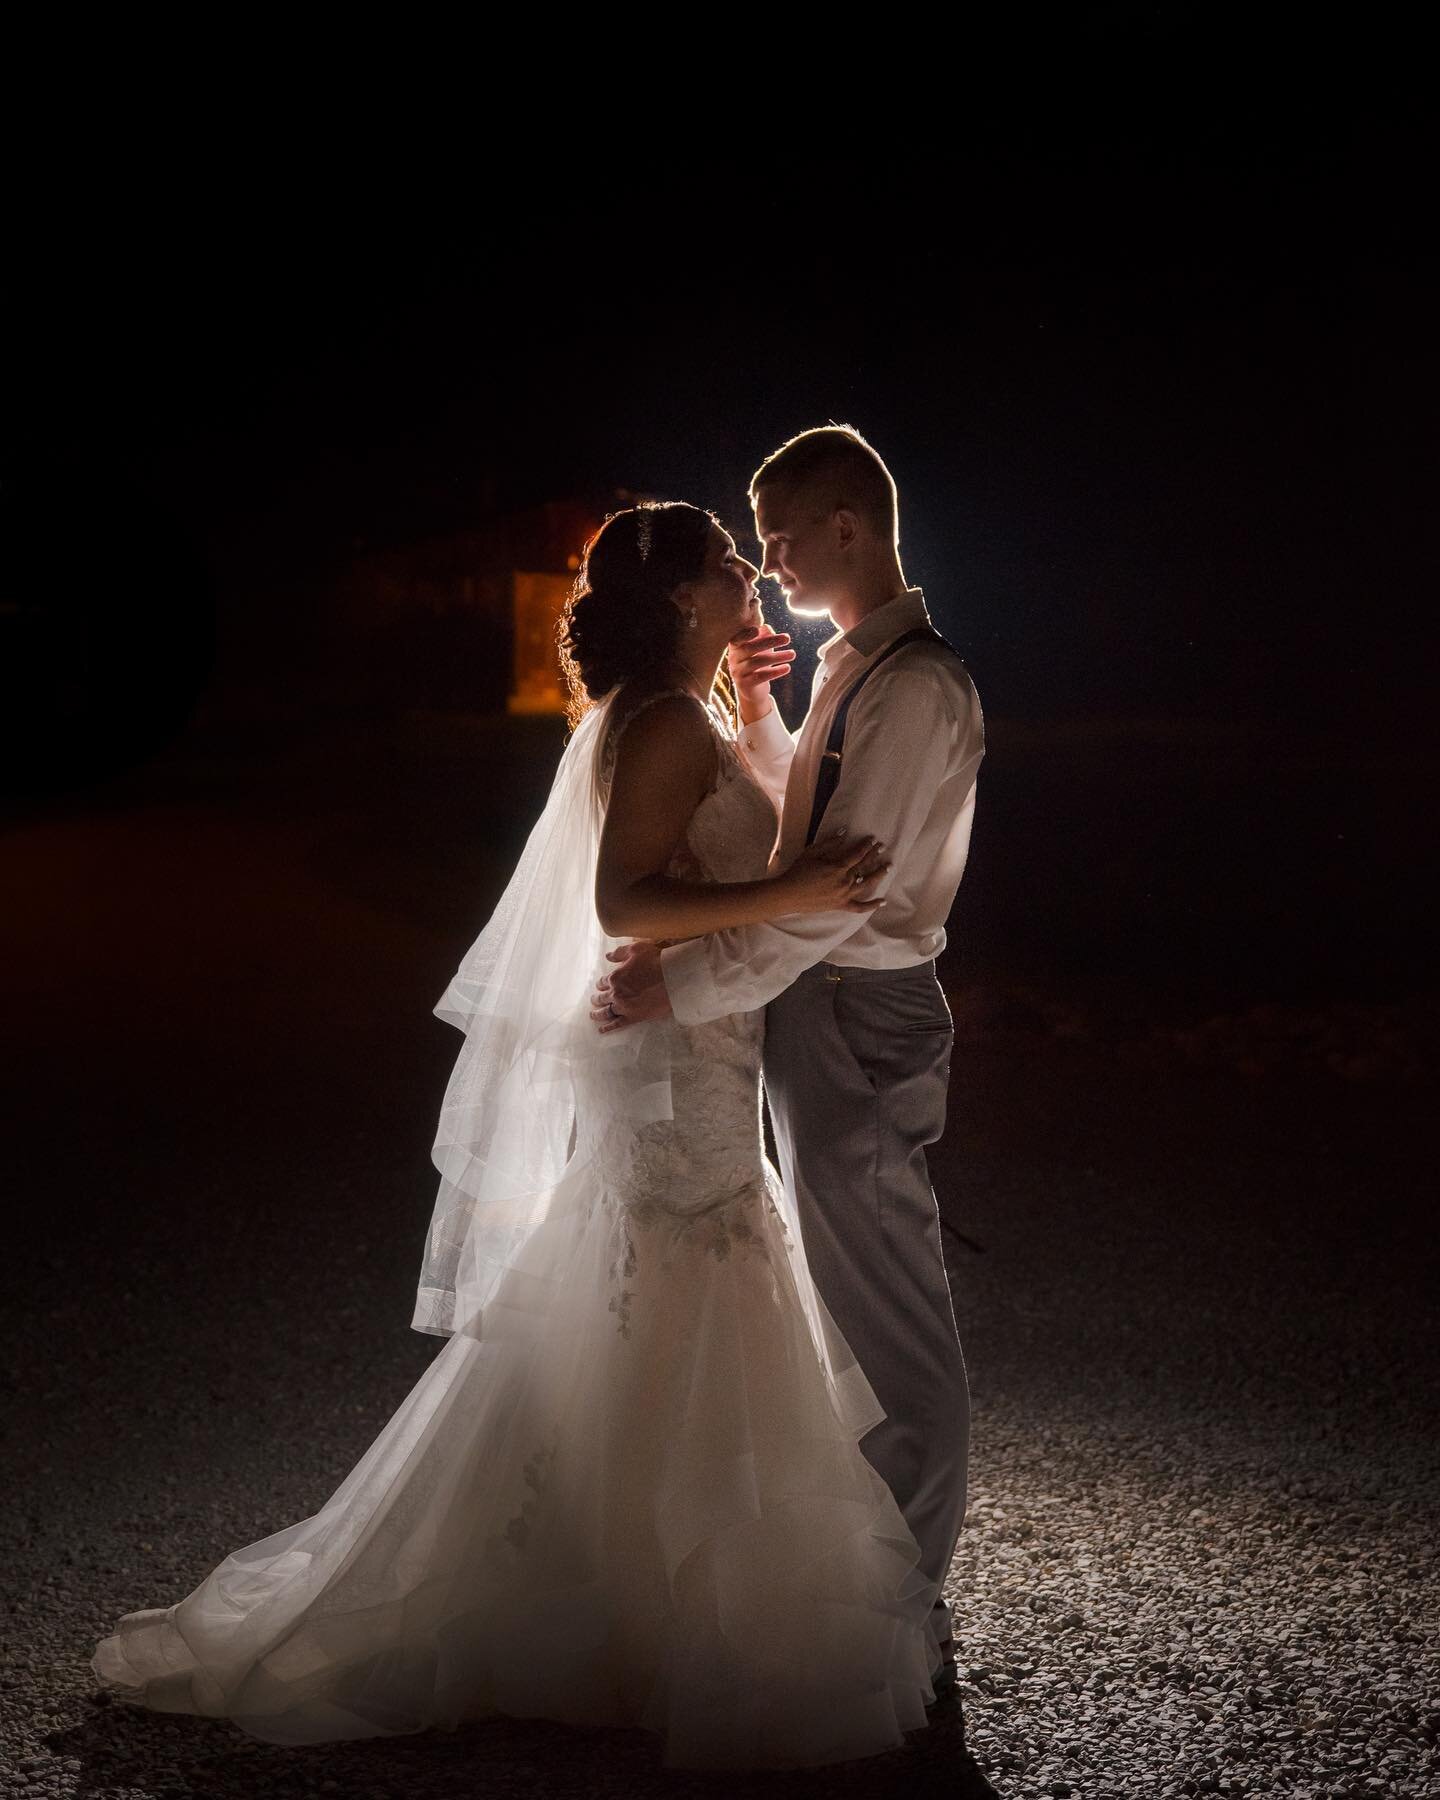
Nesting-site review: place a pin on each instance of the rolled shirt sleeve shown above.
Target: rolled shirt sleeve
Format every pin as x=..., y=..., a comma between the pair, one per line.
x=903, y=739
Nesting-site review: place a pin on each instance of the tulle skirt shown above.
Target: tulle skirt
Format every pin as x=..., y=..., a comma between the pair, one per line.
x=632, y=1496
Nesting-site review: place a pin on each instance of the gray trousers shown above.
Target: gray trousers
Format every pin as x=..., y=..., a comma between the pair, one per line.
x=857, y=1062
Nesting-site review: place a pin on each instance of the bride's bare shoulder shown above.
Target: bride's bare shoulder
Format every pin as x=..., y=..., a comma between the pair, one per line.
x=646, y=703
x=661, y=725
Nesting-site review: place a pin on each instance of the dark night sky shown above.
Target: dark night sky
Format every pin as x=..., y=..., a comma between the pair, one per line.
x=1154, y=371
x=1153, y=399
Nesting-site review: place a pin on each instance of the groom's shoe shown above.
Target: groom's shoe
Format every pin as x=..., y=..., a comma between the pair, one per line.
x=946, y=1680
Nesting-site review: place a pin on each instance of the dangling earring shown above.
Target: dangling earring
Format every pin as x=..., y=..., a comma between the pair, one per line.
x=692, y=618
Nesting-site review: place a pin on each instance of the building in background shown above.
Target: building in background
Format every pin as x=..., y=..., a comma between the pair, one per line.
x=465, y=620
x=539, y=598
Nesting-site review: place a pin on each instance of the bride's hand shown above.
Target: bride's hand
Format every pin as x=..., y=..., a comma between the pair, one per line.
x=837, y=874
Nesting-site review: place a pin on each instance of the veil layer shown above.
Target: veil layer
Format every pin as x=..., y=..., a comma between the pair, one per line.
x=508, y=1132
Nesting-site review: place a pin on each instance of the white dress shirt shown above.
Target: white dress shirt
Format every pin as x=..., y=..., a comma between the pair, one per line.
x=913, y=744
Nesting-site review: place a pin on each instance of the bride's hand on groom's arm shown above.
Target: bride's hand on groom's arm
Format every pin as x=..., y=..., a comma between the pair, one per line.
x=635, y=992
x=837, y=873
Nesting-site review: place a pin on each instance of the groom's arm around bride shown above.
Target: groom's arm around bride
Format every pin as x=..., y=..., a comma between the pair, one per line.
x=913, y=742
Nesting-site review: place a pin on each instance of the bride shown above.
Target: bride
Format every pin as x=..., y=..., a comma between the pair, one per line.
x=628, y=1491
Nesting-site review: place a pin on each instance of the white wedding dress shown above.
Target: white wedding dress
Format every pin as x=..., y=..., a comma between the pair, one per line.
x=631, y=1495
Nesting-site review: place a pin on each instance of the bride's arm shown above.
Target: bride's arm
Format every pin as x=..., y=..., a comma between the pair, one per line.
x=664, y=766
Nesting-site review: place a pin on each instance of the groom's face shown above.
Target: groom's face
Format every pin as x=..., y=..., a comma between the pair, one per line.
x=797, y=541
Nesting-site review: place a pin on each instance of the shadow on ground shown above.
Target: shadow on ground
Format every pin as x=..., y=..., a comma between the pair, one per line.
x=120, y=1749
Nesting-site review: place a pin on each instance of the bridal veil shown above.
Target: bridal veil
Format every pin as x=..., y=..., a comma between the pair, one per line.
x=521, y=995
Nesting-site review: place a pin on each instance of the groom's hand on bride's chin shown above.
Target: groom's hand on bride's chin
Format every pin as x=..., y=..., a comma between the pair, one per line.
x=635, y=992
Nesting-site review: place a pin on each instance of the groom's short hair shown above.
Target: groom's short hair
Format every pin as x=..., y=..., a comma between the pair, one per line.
x=833, y=466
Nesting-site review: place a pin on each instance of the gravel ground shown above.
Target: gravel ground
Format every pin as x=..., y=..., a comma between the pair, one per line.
x=1201, y=1550
x=1195, y=1301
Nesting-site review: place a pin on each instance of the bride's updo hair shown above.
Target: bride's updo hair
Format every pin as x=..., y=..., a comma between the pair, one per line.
x=619, y=618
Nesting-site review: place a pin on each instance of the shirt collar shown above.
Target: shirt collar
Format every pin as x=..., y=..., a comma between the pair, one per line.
x=881, y=627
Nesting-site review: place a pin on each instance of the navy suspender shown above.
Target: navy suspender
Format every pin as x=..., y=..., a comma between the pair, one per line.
x=829, y=772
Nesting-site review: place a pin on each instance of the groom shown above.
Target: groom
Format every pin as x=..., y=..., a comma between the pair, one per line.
x=857, y=1031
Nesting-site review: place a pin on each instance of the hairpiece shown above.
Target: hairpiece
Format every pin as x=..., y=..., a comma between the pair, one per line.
x=644, y=526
